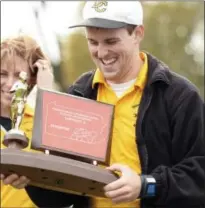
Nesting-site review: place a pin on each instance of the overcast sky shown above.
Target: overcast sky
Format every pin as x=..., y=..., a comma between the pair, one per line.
x=55, y=19
x=15, y=15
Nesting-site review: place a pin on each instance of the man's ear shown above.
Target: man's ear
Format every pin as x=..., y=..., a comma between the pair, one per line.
x=139, y=33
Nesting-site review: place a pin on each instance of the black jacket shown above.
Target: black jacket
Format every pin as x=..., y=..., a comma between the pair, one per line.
x=170, y=141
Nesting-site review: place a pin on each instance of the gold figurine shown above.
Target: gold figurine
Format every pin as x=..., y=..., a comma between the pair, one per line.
x=16, y=138
x=19, y=99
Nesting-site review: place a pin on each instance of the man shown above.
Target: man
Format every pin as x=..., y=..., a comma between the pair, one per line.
x=158, y=132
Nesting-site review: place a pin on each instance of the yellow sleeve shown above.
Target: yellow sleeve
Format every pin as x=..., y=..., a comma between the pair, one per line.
x=11, y=197
x=3, y=132
x=27, y=125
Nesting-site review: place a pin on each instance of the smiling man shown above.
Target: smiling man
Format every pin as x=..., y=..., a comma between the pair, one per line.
x=158, y=131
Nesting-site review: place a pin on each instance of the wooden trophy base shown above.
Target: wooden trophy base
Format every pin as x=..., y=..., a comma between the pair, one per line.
x=56, y=173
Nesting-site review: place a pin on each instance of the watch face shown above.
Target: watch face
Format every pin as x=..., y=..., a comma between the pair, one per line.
x=151, y=189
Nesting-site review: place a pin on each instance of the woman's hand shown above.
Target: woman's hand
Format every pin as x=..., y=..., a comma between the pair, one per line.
x=45, y=78
x=18, y=182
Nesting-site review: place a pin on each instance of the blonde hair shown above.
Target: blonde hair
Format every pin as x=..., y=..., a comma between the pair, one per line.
x=26, y=48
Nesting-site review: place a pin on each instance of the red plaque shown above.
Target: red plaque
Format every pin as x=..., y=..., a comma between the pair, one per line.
x=76, y=131
x=72, y=125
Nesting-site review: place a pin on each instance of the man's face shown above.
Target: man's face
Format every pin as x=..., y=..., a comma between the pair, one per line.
x=113, y=51
x=10, y=69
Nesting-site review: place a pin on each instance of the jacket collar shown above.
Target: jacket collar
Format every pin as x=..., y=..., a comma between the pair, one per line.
x=83, y=85
x=157, y=72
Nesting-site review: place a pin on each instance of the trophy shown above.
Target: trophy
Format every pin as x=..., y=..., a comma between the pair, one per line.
x=15, y=138
x=71, y=141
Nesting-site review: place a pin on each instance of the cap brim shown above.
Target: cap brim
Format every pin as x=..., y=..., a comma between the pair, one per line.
x=100, y=23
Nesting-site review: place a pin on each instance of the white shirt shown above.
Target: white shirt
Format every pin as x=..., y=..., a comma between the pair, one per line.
x=119, y=89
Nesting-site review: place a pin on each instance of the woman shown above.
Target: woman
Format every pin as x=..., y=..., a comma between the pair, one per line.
x=21, y=54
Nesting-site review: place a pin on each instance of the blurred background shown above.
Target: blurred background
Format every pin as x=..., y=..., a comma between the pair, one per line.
x=174, y=32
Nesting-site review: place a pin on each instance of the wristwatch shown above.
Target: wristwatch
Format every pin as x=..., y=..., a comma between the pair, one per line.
x=148, y=186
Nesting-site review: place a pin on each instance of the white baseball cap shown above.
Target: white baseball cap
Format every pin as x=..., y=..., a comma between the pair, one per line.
x=111, y=14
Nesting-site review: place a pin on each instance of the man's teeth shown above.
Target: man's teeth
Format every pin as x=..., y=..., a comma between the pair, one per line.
x=110, y=61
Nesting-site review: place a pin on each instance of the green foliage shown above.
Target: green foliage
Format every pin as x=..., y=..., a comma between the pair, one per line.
x=169, y=28
x=76, y=59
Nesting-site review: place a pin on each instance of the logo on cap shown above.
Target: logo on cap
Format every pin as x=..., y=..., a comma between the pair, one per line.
x=100, y=6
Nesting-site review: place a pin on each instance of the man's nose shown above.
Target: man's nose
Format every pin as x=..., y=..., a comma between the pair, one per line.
x=102, y=51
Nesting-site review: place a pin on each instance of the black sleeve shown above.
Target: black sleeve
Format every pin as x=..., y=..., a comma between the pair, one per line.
x=185, y=180
x=48, y=198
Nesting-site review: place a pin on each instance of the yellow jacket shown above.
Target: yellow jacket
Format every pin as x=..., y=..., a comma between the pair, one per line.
x=11, y=197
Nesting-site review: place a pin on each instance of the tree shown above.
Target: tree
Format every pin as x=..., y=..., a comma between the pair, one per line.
x=169, y=29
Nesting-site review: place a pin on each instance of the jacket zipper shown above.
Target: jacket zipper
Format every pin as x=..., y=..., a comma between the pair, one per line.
x=142, y=147
x=146, y=100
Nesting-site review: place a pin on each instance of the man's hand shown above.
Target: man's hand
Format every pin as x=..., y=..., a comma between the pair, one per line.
x=15, y=181
x=127, y=188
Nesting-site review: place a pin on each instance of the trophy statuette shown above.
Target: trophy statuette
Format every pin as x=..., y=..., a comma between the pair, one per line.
x=16, y=138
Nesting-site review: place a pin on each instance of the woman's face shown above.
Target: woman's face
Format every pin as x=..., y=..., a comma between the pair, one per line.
x=10, y=69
